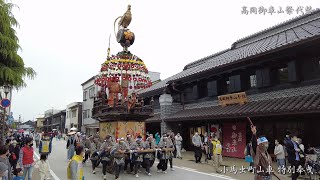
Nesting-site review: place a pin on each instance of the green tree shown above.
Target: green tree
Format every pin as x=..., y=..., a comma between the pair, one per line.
x=12, y=69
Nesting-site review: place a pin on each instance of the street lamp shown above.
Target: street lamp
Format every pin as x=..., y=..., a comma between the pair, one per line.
x=6, y=90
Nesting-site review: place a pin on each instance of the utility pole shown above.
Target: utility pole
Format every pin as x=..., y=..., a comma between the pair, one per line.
x=19, y=120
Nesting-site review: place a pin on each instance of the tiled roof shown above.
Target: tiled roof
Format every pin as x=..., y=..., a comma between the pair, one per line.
x=155, y=118
x=284, y=105
x=203, y=60
x=156, y=86
x=290, y=32
x=283, y=26
x=299, y=91
x=302, y=29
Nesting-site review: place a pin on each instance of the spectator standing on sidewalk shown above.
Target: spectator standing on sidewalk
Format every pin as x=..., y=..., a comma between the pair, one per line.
x=293, y=155
x=26, y=159
x=172, y=138
x=279, y=152
x=157, y=137
x=5, y=167
x=37, y=139
x=14, y=154
x=178, y=142
x=196, y=141
x=217, y=150
x=205, y=140
x=248, y=154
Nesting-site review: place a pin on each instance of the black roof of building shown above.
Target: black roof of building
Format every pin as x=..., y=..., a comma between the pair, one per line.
x=280, y=36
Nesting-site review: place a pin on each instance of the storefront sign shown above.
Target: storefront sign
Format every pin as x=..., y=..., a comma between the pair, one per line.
x=236, y=98
x=234, y=139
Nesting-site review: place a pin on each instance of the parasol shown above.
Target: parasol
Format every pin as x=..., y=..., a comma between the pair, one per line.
x=21, y=131
x=71, y=133
x=73, y=129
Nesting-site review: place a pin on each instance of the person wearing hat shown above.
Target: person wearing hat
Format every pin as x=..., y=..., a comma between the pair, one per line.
x=14, y=154
x=86, y=144
x=71, y=144
x=137, y=157
x=105, y=155
x=78, y=139
x=94, y=148
x=262, y=159
x=118, y=151
x=149, y=157
x=164, y=156
x=128, y=161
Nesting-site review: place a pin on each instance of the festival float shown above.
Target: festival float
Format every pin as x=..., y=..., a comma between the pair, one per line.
x=118, y=108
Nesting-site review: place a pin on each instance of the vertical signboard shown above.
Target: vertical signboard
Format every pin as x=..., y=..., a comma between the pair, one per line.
x=234, y=139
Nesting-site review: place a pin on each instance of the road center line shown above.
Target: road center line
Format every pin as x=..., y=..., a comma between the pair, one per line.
x=55, y=177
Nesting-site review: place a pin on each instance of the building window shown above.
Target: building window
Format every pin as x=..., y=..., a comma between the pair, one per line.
x=228, y=86
x=253, y=81
x=202, y=89
x=85, y=94
x=74, y=113
x=283, y=75
x=91, y=92
x=86, y=114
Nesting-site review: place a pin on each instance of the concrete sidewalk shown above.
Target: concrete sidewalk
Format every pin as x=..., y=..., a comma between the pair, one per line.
x=231, y=167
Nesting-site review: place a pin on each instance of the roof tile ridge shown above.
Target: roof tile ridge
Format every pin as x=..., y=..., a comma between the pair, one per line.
x=278, y=25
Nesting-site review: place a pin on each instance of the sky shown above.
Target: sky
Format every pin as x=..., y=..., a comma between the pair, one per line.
x=66, y=41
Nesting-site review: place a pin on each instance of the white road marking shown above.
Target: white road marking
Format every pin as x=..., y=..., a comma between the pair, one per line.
x=195, y=171
x=55, y=177
x=213, y=175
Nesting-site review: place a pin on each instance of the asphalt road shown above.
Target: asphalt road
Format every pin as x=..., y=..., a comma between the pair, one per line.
x=58, y=163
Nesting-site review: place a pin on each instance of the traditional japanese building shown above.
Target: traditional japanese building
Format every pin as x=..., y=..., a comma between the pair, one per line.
x=277, y=72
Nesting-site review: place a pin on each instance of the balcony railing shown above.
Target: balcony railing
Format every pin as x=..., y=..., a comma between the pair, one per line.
x=102, y=109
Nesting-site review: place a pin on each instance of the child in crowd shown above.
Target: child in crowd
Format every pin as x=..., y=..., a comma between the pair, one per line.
x=44, y=167
x=18, y=174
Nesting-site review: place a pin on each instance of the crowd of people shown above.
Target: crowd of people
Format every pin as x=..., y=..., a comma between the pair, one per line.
x=17, y=156
x=134, y=153
x=128, y=153
x=291, y=154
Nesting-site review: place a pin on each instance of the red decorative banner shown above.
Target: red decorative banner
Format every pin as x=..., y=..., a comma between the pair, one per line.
x=234, y=139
